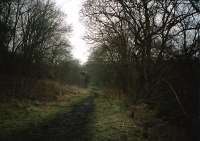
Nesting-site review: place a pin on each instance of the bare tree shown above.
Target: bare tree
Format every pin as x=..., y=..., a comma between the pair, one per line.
x=151, y=31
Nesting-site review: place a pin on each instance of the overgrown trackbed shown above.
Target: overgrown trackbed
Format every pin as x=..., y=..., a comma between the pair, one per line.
x=69, y=126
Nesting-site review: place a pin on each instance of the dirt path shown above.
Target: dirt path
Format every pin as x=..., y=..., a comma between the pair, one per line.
x=69, y=126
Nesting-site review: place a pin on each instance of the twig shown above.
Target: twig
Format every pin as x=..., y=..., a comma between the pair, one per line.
x=177, y=98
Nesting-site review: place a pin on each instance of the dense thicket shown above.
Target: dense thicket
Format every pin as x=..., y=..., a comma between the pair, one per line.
x=149, y=49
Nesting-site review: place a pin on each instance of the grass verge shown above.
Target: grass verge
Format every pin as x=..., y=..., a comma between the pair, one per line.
x=18, y=115
x=111, y=122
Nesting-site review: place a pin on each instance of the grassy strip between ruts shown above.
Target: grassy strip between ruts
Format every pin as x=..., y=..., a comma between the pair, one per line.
x=18, y=115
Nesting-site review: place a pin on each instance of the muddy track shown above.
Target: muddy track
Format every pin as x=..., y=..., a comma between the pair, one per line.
x=69, y=126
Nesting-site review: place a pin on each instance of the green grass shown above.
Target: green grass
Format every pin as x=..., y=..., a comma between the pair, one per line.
x=111, y=120
x=112, y=123
x=18, y=115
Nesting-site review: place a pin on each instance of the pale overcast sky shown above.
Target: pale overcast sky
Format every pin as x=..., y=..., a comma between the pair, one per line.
x=72, y=8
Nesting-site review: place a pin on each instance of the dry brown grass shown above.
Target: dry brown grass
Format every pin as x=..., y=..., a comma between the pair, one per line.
x=27, y=88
